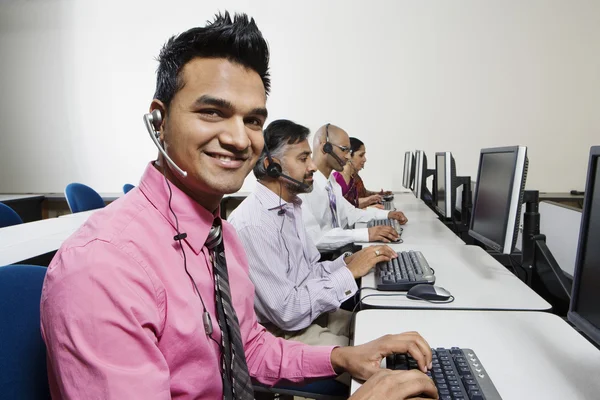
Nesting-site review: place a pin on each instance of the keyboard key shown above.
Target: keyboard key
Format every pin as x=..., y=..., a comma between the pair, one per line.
x=477, y=395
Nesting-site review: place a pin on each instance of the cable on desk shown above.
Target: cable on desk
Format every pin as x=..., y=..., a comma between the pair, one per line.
x=450, y=300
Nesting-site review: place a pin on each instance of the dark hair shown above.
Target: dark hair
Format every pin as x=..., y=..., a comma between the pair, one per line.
x=355, y=145
x=238, y=41
x=277, y=135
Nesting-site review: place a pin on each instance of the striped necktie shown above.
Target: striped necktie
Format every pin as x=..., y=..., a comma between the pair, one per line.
x=332, y=205
x=236, y=379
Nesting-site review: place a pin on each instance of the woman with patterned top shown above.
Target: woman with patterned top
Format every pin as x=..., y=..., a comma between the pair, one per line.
x=352, y=184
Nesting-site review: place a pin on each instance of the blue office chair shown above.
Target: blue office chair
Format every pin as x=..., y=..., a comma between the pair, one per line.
x=22, y=351
x=326, y=389
x=82, y=198
x=8, y=216
x=127, y=187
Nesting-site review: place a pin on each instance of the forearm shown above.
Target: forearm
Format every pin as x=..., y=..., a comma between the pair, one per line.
x=272, y=360
x=364, y=202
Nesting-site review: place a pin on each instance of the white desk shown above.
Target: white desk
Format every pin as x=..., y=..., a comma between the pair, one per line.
x=12, y=197
x=32, y=239
x=471, y=275
x=527, y=355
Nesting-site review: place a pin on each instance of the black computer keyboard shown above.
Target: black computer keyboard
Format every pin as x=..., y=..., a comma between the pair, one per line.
x=389, y=222
x=410, y=268
x=388, y=205
x=457, y=374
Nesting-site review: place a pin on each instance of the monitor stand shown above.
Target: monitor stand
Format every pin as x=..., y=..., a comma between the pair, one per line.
x=536, y=256
x=461, y=225
x=426, y=195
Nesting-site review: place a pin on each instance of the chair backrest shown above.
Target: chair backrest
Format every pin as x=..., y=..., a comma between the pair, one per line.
x=23, y=373
x=82, y=198
x=127, y=187
x=8, y=216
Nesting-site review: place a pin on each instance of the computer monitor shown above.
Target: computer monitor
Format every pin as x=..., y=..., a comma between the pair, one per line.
x=408, y=162
x=413, y=171
x=584, y=309
x=498, y=196
x=420, y=187
x=445, y=184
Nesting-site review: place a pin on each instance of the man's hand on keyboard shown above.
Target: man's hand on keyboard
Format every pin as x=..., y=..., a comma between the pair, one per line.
x=383, y=233
x=398, y=216
x=365, y=360
x=361, y=262
x=396, y=385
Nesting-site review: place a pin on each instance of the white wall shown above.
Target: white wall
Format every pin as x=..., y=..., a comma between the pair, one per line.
x=76, y=77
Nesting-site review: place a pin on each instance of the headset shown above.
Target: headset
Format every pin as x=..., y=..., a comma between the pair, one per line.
x=274, y=170
x=153, y=121
x=328, y=147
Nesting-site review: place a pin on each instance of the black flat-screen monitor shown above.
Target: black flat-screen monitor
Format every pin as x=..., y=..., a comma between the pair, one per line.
x=584, y=309
x=498, y=196
x=408, y=163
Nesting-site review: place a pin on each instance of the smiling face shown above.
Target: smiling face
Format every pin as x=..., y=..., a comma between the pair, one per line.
x=213, y=127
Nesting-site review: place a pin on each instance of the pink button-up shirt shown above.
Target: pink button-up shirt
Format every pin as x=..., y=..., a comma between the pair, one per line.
x=121, y=319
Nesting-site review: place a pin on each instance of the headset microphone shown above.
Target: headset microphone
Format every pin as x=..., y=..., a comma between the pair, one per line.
x=152, y=122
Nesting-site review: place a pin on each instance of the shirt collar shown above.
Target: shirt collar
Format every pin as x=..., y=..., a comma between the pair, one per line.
x=320, y=178
x=272, y=201
x=193, y=219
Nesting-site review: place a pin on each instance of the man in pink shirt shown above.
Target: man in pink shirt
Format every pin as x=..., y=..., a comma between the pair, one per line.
x=151, y=298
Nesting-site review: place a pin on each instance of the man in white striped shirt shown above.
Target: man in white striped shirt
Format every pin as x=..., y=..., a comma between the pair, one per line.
x=297, y=296
x=328, y=216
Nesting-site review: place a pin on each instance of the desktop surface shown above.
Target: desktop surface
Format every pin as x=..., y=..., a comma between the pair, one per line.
x=475, y=279
x=528, y=355
x=14, y=197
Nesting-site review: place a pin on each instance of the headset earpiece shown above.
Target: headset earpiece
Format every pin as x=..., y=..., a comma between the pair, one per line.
x=156, y=120
x=274, y=169
x=327, y=147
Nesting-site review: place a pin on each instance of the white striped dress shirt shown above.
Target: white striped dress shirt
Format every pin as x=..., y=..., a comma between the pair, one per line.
x=317, y=216
x=292, y=287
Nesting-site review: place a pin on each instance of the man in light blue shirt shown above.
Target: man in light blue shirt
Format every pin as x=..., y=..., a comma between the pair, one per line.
x=297, y=296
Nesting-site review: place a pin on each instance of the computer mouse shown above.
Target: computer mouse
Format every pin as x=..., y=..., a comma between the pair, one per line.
x=428, y=292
